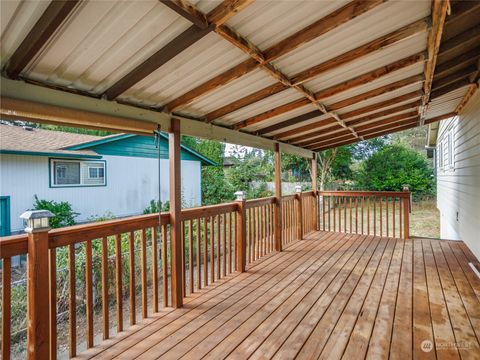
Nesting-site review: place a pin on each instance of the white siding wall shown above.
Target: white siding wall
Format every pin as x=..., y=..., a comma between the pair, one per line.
x=458, y=190
x=131, y=183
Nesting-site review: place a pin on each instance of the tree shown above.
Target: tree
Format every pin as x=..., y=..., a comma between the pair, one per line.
x=394, y=166
x=215, y=188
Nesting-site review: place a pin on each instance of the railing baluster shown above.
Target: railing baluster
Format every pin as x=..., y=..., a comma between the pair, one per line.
x=350, y=200
x=230, y=237
x=143, y=259
x=131, y=243
x=374, y=216
x=212, y=251
x=105, y=304
x=356, y=214
x=6, y=307
x=118, y=280
x=89, y=295
x=393, y=210
x=154, y=268
x=386, y=214
x=182, y=252
x=190, y=254
x=381, y=217
x=197, y=255
x=217, y=218
x=400, y=210
x=224, y=244
x=72, y=301
x=205, y=251
x=52, y=283
x=344, y=214
x=164, y=264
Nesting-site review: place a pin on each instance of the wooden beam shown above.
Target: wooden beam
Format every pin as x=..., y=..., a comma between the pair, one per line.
x=174, y=152
x=295, y=120
x=226, y=10
x=333, y=20
x=347, y=85
x=361, y=51
x=468, y=36
x=391, y=121
x=245, y=101
x=370, y=76
x=468, y=58
x=449, y=88
x=439, y=14
x=461, y=9
x=461, y=74
x=187, y=11
x=468, y=95
x=350, y=114
x=115, y=113
x=44, y=28
x=159, y=58
x=377, y=92
x=309, y=138
x=440, y=118
x=329, y=22
x=278, y=199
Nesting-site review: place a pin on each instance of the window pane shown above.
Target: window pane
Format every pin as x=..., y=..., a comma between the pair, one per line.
x=67, y=173
x=93, y=172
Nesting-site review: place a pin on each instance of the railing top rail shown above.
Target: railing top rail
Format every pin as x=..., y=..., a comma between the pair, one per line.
x=210, y=210
x=289, y=197
x=397, y=194
x=307, y=193
x=17, y=244
x=259, y=202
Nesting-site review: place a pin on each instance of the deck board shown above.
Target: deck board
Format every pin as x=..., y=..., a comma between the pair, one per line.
x=332, y=296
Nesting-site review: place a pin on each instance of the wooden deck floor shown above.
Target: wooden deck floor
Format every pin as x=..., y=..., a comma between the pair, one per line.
x=330, y=296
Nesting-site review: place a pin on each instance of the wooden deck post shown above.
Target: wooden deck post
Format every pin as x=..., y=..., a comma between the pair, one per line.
x=175, y=213
x=315, y=190
x=278, y=199
x=298, y=190
x=38, y=308
x=241, y=231
x=406, y=213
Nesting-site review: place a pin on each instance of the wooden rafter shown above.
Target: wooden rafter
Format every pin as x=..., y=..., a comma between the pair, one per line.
x=439, y=14
x=202, y=26
x=471, y=91
x=310, y=73
x=449, y=88
x=320, y=27
x=386, y=132
x=461, y=74
x=356, y=121
x=465, y=59
x=44, y=28
x=318, y=124
x=334, y=107
x=468, y=36
x=360, y=127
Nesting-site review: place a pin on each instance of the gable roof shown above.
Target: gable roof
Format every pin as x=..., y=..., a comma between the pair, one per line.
x=118, y=137
x=34, y=141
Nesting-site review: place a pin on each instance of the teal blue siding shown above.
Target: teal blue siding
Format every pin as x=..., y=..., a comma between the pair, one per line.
x=138, y=146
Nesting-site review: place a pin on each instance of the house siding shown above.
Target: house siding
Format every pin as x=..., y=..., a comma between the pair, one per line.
x=132, y=182
x=458, y=185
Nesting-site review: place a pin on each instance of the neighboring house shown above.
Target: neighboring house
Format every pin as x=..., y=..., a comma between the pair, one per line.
x=457, y=165
x=115, y=174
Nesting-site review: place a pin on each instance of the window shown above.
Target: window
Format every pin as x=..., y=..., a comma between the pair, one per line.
x=77, y=173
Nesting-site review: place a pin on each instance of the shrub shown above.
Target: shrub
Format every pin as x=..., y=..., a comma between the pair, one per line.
x=64, y=214
x=155, y=206
x=393, y=166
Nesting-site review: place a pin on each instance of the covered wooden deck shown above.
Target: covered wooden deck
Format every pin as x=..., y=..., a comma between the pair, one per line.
x=331, y=295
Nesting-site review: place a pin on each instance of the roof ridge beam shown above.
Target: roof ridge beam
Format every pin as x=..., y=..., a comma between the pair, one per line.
x=48, y=23
x=321, y=26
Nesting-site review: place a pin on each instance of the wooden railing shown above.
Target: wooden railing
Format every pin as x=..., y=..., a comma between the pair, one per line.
x=365, y=212
x=111, y=274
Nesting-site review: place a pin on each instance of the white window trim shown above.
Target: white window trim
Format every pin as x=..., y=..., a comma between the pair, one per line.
x=101, y=165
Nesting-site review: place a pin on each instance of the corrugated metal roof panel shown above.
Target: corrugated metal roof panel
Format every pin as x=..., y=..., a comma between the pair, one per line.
x=16, y=20
x=375, y=23
x=446, y=103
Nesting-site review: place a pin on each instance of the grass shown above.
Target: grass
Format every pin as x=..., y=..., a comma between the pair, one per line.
x=425, y=219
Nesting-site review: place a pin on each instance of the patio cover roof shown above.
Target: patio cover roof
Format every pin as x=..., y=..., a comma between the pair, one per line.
x=309, y=74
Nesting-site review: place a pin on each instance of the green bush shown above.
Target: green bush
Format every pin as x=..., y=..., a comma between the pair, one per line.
x=64, y=214
x=155, y=206
x=394, y=166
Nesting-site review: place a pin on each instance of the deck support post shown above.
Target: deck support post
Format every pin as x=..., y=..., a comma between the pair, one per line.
x=298, y=190
x=175, y=213
x=406, y=213
x=241, y=231
x=38, y=308
x=315, y=191
x=278, y=199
